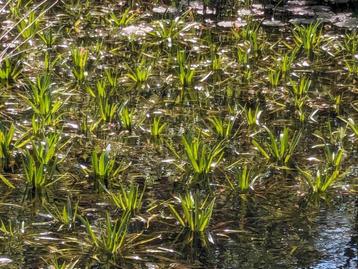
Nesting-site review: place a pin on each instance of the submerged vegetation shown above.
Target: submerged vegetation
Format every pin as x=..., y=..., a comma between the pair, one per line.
x=153, y=134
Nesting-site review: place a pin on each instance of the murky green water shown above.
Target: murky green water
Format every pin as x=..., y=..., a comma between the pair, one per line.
x=185, y=68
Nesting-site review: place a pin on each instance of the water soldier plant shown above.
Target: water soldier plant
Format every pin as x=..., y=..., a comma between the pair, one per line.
x=309, y=38
x=40, y=165
x=56, y=264
x=42, y=101
x=113, y=239
x=333, y=158
x=196, y=213
x=300, y=89
x=139, y=74
x=326, y=175
x=244, y=179
x=126, y=118
x=322, y=180
x=185, y=73
x=48, y=38
x=38, y=176
x=79, y=60
x=128, y=199
x=278, y=149
x=242, y=57
x=67, y=216
x=157, y=128
x=252, y=116
x=29, y=26
x=222, y=128
x=103, y=168
x=274, y=77
x=8, y=229
x=350, y=43
x=200, y=157
x=45, y=151
x=112, y=242
x=352, y=125
x=167, y=32
x=124, y=19
x=286, y=62
x=6, y=138
x=10, y=70
x=250, y=35
x=106, y=108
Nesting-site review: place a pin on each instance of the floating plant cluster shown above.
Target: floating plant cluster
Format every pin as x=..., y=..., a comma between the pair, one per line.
x=126, y=135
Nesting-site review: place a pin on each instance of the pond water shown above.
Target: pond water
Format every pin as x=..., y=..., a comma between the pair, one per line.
x=104, y=95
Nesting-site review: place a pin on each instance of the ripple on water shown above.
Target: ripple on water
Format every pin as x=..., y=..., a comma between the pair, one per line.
x=5, y=261
x=336, y=240
x=136, y=30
